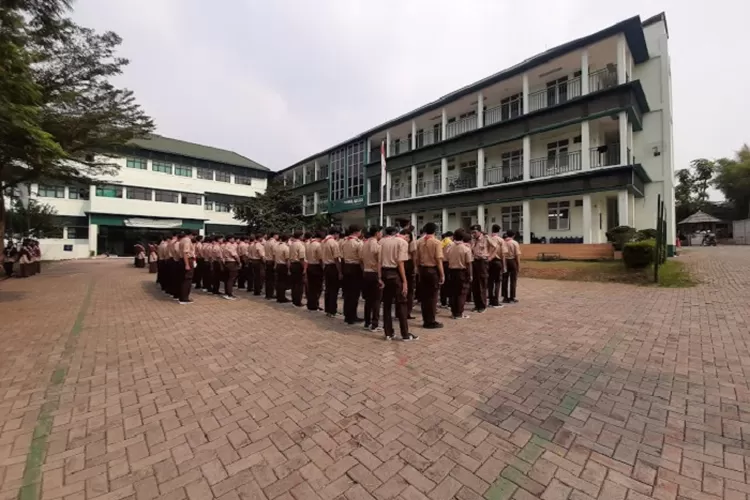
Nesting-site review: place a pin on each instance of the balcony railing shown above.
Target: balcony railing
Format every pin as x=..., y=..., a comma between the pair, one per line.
x=493, y=115
x=425, y=188
x=603, y=78
x=554, y=95
x=461, y=126
x=400, y=192
x=400, y=146
x=605, y=156
x=502, y=174
x=427, y=137
x=461, y=182
x=555, y=165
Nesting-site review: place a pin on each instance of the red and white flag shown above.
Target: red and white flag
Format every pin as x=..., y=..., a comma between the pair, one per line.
x=382, y=163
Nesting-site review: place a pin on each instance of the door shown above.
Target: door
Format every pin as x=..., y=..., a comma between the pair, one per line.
x=613, y=213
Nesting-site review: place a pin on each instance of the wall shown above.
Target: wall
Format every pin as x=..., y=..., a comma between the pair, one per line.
x=52, y=249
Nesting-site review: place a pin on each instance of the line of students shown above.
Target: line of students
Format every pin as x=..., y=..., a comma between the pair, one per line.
x=27, y=254
x=385, y=267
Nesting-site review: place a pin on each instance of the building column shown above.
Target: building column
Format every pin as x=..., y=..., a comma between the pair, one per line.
x=526, y=157
x=587, y=219
x=387, y=143
x=294, y=177
x=413, y=135
x=621, y=60
x=387, y=186
x=387, y=220
x=444, y=128
x=622, y=122
x=317, y=170
x=585, y=146
x=623, y=208
x=414, y=220
x=585, y=72
x=444, y=175
x=369, y=190
x=445, y=220
x=93, y=239
x=480, y=167
x=304, y=174
x=525, y=93
x=413, y=181
x=526, y=222
x=316, y=200
x=304, y=205
x=480, y=215
x=480, y=110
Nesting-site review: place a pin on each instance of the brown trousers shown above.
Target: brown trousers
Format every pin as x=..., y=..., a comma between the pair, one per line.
x=259, y=276
x=429, y=286
x=494, y=281
x=282, y=283
x=459, y=279
x=351, y=286
x=297, y=282
x=373, y=295
x=510, y=278
x=479, y=287
x=270, y=278
x=392, y=295
x=187, y=284
x=330, y=303
x=230, y=275
x=411, y=284
x=314, y=286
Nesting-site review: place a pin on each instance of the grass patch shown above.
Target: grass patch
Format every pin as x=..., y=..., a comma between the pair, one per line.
x=673, y=274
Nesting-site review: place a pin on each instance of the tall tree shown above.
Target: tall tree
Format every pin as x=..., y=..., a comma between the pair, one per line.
x=57, y=105
x=733, y=180
x=277, y=209
x=35, y=220
x=703, y=173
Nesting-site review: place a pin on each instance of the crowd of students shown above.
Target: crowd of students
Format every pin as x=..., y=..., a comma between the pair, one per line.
x=27, y=254
x=388, y=268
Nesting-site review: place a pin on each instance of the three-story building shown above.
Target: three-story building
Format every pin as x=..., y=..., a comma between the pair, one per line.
x=560, y=147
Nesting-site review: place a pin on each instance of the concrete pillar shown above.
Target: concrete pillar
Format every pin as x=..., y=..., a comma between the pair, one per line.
x=622, y=64
x=480, y=216
x=294, y=177
x=585, y=146
x=414, y=220
x=413, y=181
x=480, y=167
x=387, y=186
x=623, y=208
x=316, y=200
x=369, y=190
x=413, y=135
x=317, y=170
x=387, y=143
x=304, y=174
x=526, y=157
x=587, y=219
x=480, y=110
x=445, y=220
x=304, y=205
x=444, y=129
x=387, y=220
x=525, y=93
x=444, y=175
x=585, y=72
x=93, y=239
x=526, y=222
x=622, y=122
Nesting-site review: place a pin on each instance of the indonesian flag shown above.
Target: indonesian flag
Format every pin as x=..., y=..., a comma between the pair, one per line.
x=382, y=163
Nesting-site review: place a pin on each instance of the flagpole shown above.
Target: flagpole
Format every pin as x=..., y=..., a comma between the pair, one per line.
x=383, y=183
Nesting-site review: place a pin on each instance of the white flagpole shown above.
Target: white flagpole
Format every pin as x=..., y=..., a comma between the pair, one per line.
x=383, y=183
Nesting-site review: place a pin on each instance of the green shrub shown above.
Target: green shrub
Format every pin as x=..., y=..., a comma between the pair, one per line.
x=645, y=234
x=639, y=254
x=620, y=235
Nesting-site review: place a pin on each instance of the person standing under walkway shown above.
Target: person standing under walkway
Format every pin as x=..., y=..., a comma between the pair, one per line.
x=331, y=256
x=372, y=287
x=394, y=253
x=352, y=274
x=495, y=245
x=513, y=264
x=429, y=260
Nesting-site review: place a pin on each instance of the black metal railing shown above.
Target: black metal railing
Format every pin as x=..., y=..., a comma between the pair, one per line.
x=606, y=155
x=555, y=165
x=502, y=174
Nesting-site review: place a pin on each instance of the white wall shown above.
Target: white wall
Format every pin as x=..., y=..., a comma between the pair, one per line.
x=53, y=249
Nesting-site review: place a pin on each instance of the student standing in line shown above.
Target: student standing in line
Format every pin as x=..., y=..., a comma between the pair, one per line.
x=352, y=274
x=429, y=260
x=153, y=259
x=281, y=258
x=187, y=252
x=445, y=290
x=495, y=257
x=242, y=247
x=513, y=264
x=460, y=265
x=218, y=265
x=271, y=241
x=479, y=268
x=331, y=256
x=315, y=271
x=408, y=236
x=175, y=273
x=394, y=253
x=372, y=287
x=250, y=270
x=259, y=265
x=231, y=266
x=297, y=267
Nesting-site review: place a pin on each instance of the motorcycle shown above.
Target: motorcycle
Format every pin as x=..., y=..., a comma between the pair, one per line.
x=709, y=240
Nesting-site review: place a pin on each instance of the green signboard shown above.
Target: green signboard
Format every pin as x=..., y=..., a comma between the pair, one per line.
x=346, y=204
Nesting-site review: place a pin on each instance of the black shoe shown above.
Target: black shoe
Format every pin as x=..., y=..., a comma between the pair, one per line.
x=410, y=317
x=513, y=301
x=410, y=338
x=506, y=301
x=433, y=326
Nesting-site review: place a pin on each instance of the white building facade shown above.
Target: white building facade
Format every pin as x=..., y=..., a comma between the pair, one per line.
x=163, y=185
x=561, y=147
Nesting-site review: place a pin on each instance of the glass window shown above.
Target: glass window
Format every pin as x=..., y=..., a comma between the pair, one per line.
x=222, y=207
x=109, y=191
x=78, y=193
x=223, y=176
x=209, y=205
x=558, y=215
x=191, y=199
x=241, y=179
x=51, y=191
x=166, y=196
x=138, y=163
x=512, y=106
x=78, y=233
x=512, y=218
x=136, y=193
x=56, y=233
x=206, y=174
x=159, y=166
x=183, y=171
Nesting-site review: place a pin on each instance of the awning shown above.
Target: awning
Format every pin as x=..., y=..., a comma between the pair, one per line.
x=153, y=223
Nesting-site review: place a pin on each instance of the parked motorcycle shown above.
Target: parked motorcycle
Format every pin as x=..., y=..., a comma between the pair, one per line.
x=709, y=240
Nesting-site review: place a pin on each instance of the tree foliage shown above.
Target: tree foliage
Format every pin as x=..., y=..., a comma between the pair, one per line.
x=57, y=105
x=733, y=180
x=277, y=209
x=35, y=220
x=691, y=191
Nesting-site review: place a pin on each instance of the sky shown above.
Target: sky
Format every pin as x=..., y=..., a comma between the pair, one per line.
x=278, y=81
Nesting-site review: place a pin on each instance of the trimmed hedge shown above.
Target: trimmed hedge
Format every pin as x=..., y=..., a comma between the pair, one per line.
x=639, y=254
x=620, y=235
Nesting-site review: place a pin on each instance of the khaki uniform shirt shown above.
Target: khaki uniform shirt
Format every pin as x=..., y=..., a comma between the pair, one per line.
x=330, y=251
x=217, y=252
x=174, y=249
x=460, y=256
x=161, y=250
x=314, y=252
x=198, y=247
x=512, y=249
x=494, y=247
x=297, y=251
x=269, y=246
x=392, y=251
x=229, y=252
x=281, y=253
x=479, y=247
x=242, y=248
x=371, y=255
x=351, y=250
x=260, y=250
x=186, y=249
x=429, y=251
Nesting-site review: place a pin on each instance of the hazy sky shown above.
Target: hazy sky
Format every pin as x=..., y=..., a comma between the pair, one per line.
x=279, y=80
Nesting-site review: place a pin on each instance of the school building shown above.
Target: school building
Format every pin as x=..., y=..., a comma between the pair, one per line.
x=560, y=147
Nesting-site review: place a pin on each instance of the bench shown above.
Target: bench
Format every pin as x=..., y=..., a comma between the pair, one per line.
x=548, y=256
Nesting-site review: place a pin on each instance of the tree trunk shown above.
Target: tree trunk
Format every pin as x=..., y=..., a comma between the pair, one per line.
x=3, y=214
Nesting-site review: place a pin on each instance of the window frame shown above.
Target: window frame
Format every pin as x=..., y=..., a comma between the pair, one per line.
x=201, y=173
x=185, y=196
x=186, y=171
x=219, y=176
x=555, y=211
x=47, y=188
x=160, y=193
x=139, y=161
x=243, y=180
x=141, y=190
x=162, y=167
x=118, y=191
x=75, y=236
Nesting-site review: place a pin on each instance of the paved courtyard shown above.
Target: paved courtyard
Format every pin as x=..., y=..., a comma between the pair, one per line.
x=581, y=391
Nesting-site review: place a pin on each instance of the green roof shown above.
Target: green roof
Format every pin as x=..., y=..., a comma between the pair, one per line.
x=163, y=144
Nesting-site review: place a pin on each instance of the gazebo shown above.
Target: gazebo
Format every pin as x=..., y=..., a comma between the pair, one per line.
x=699, y=221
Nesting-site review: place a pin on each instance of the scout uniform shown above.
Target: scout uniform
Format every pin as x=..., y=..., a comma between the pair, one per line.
x=297, y=270
x=512, y=255
x=217, y=257
x=411, y=278
x=269, y=246
x=259, y=269
x=371, y=290
x=480, y=269
x=445, y=290
x=281, y=259
x=153, y=259
x=161, y=253
x=393, y=250
x=175, y=273
x=495, y=275
x=330, y=255
x=430, y=261
x=459, y=265
x=352, y=277
x=314, y=274
x=231, y=266
x=242, y=247
x=186, y=252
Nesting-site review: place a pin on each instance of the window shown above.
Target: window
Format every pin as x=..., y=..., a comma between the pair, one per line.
x=557, y=154
x=206, y=174
x=512, y=218
x=109, y=191
x=512, y=106
x=56, y=233
x=209, y=205
x=223, y=176
x=355, y=163
x=558, y=215
x=191, y=199
x=51, y=191
x=338, y=181
x=78, y=233
x=159, y=166
x=136, y=193
x=78, y=193
x=557, y=91
x=222, y=207
x=183, y=171
x=241, y=179
x=138, y=163
x=166, y=196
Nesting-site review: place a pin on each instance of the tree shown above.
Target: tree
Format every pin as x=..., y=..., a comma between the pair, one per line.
x=691, y=191
x=733, y=180
x=703, y=174
x=57, y=105
x=277, y=209
x=35, y=220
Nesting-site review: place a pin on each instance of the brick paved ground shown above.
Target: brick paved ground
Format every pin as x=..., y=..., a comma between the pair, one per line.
x=109, y=391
